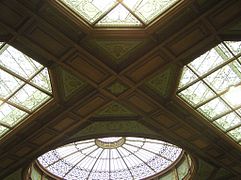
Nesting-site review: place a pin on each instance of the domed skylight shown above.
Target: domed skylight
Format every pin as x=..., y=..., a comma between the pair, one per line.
x=24, y=87
x=118, y=13
x=111, y=158
x=211, y=84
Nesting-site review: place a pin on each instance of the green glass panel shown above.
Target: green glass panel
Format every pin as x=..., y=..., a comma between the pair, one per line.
x=189, y=160
x=8, y=84
x=225, y=77
x=148, y=10
x=234, y=46
x=35, y=175
x=228, y=121
x=10, y=115
x=187, y=77
x=3, y=130
x=169, y=176
x=210, y=60
x=42, y=80
x=182, y=169
x=90, y=10
x=197, y=93
x=29, y=97
x=214, y=108
x=119, y=16
x=18, y=62
x=235, y=134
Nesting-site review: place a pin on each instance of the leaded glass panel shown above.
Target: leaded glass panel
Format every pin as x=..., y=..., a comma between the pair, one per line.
x=17, y=62
x=8, y=84
x=90, y=10
x=235, y=134
x=11, y=115
x=197, y=93
x=214, y=108
x=225, y=77
x=210, y=60
x=147, y=10
x=234, y=46
x=29, y=97
x=228, y=121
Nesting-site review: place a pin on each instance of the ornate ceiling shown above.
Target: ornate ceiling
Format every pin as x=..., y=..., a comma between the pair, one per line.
x=118, y=82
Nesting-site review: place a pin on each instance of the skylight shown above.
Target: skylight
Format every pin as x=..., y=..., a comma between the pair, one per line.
x=24, y=87
x=118, y=13
x=211, y=84
x=111, y=158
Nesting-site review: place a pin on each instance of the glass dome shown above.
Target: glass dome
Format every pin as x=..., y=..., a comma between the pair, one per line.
x=111, y=158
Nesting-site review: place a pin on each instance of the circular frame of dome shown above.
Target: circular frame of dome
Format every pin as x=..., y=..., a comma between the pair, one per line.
x=110, y=144
x=112, y=158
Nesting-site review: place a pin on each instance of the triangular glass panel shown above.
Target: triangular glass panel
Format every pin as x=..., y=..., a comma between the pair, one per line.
x=119, y=17
x=42, y=80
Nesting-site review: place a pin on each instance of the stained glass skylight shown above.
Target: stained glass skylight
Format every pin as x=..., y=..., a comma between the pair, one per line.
x=211, y=84
x=24, y=87
x=111, y=158
x=118, y=13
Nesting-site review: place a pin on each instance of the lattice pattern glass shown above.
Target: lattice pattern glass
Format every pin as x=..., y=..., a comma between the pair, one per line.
x=24, y=87
x=121, y=158
x=116, y=13
x=211, y=84
x=90, y=10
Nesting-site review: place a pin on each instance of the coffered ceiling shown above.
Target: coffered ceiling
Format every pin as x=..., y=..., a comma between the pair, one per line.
x=118, y=81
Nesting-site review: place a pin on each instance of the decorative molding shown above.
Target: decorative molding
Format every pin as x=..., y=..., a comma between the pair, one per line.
x=71, y=83
x=115, y=109
x=117, y=49
x=101, y=128
x=116, y=88
x=161, y=83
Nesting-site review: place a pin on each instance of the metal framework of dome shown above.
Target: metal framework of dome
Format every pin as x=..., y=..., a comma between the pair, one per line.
x=111, y=158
